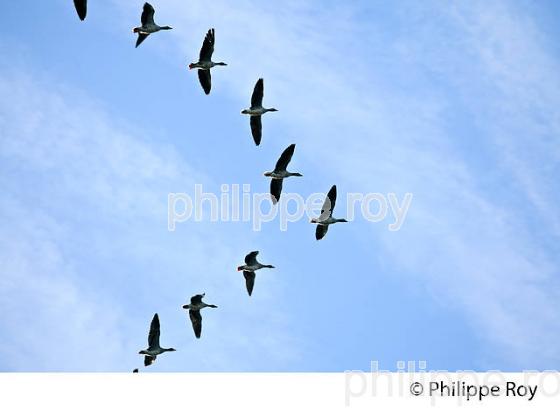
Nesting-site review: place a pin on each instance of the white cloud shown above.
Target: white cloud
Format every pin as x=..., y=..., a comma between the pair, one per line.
x=374, y=108
x=348, y=100
x=49, y=321
x=85, y=254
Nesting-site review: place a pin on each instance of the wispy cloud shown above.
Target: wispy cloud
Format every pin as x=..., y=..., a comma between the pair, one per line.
x=86, y=257
x=380, y=125
x=456, y=104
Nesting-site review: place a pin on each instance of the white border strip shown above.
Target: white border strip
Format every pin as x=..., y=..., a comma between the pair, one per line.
x=206, y=391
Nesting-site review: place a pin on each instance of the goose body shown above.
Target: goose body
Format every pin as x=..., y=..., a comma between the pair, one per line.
x=257, y=110
x=154, y=349
x=148, y=25
x=251, y=265
x=280, y=172
x=194, y=309
x=205, y=63
x=326, y=218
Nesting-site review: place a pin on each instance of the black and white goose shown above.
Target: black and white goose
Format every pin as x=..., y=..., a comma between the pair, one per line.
x=154, y=349
x=194, y=313
x=81, y=8
x=326, y=218
x=257, y=110
x=205, y=63
x=251, y=265
x=148, y=26
x=280, y=173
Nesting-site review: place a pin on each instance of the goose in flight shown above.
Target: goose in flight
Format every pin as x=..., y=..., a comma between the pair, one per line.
x=148, y=26
x=257, y=110
x=205, y=63
x=81, y=8
x=251, y=265
x=194, y=313
x=135, y=371
x=326, y=218
x=154, y=348
x=280, y=173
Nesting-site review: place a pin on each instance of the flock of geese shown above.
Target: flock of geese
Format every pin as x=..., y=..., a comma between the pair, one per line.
x=280, y=172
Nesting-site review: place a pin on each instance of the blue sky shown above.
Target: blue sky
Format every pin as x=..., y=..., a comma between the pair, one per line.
x=454, y=102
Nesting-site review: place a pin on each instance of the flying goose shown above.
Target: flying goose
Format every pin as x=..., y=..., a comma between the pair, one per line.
x=205, y=63
x=257, y=110
x=154, y=348
x=326, y=218
x=280, y=173
x=194, y=313
x=251, y=265
x=135, y=371
x=81, y=8
x=148, y=26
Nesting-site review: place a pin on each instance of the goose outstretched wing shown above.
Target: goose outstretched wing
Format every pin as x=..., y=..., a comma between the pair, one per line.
x=251, y=258
x=153, y=337
x=256, y=128
x=147, y=17
x=249, y=280
x=207, y=48
x=285, y=158
x=258, y=92
x=328, y=205
x=196, y=320
x=81, y=8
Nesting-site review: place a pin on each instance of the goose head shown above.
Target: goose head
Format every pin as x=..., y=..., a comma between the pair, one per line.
x=268, y=174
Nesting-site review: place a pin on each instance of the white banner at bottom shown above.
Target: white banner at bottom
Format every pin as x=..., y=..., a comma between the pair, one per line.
x=348, y=390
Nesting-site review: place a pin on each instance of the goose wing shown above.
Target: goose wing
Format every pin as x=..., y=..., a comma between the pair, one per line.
x=153, y=337
x=207, y=48
x=275, y=189
x=81, y=8
x=258, y=92
x=141, y=38
x=328, y=205
x=249, y=280
x=205, y=80
x=285, y=158
x=147, y=15
x=256, y=128
x=196, y=320
x=251, y=258
x=321, y=231
x=148, y=360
